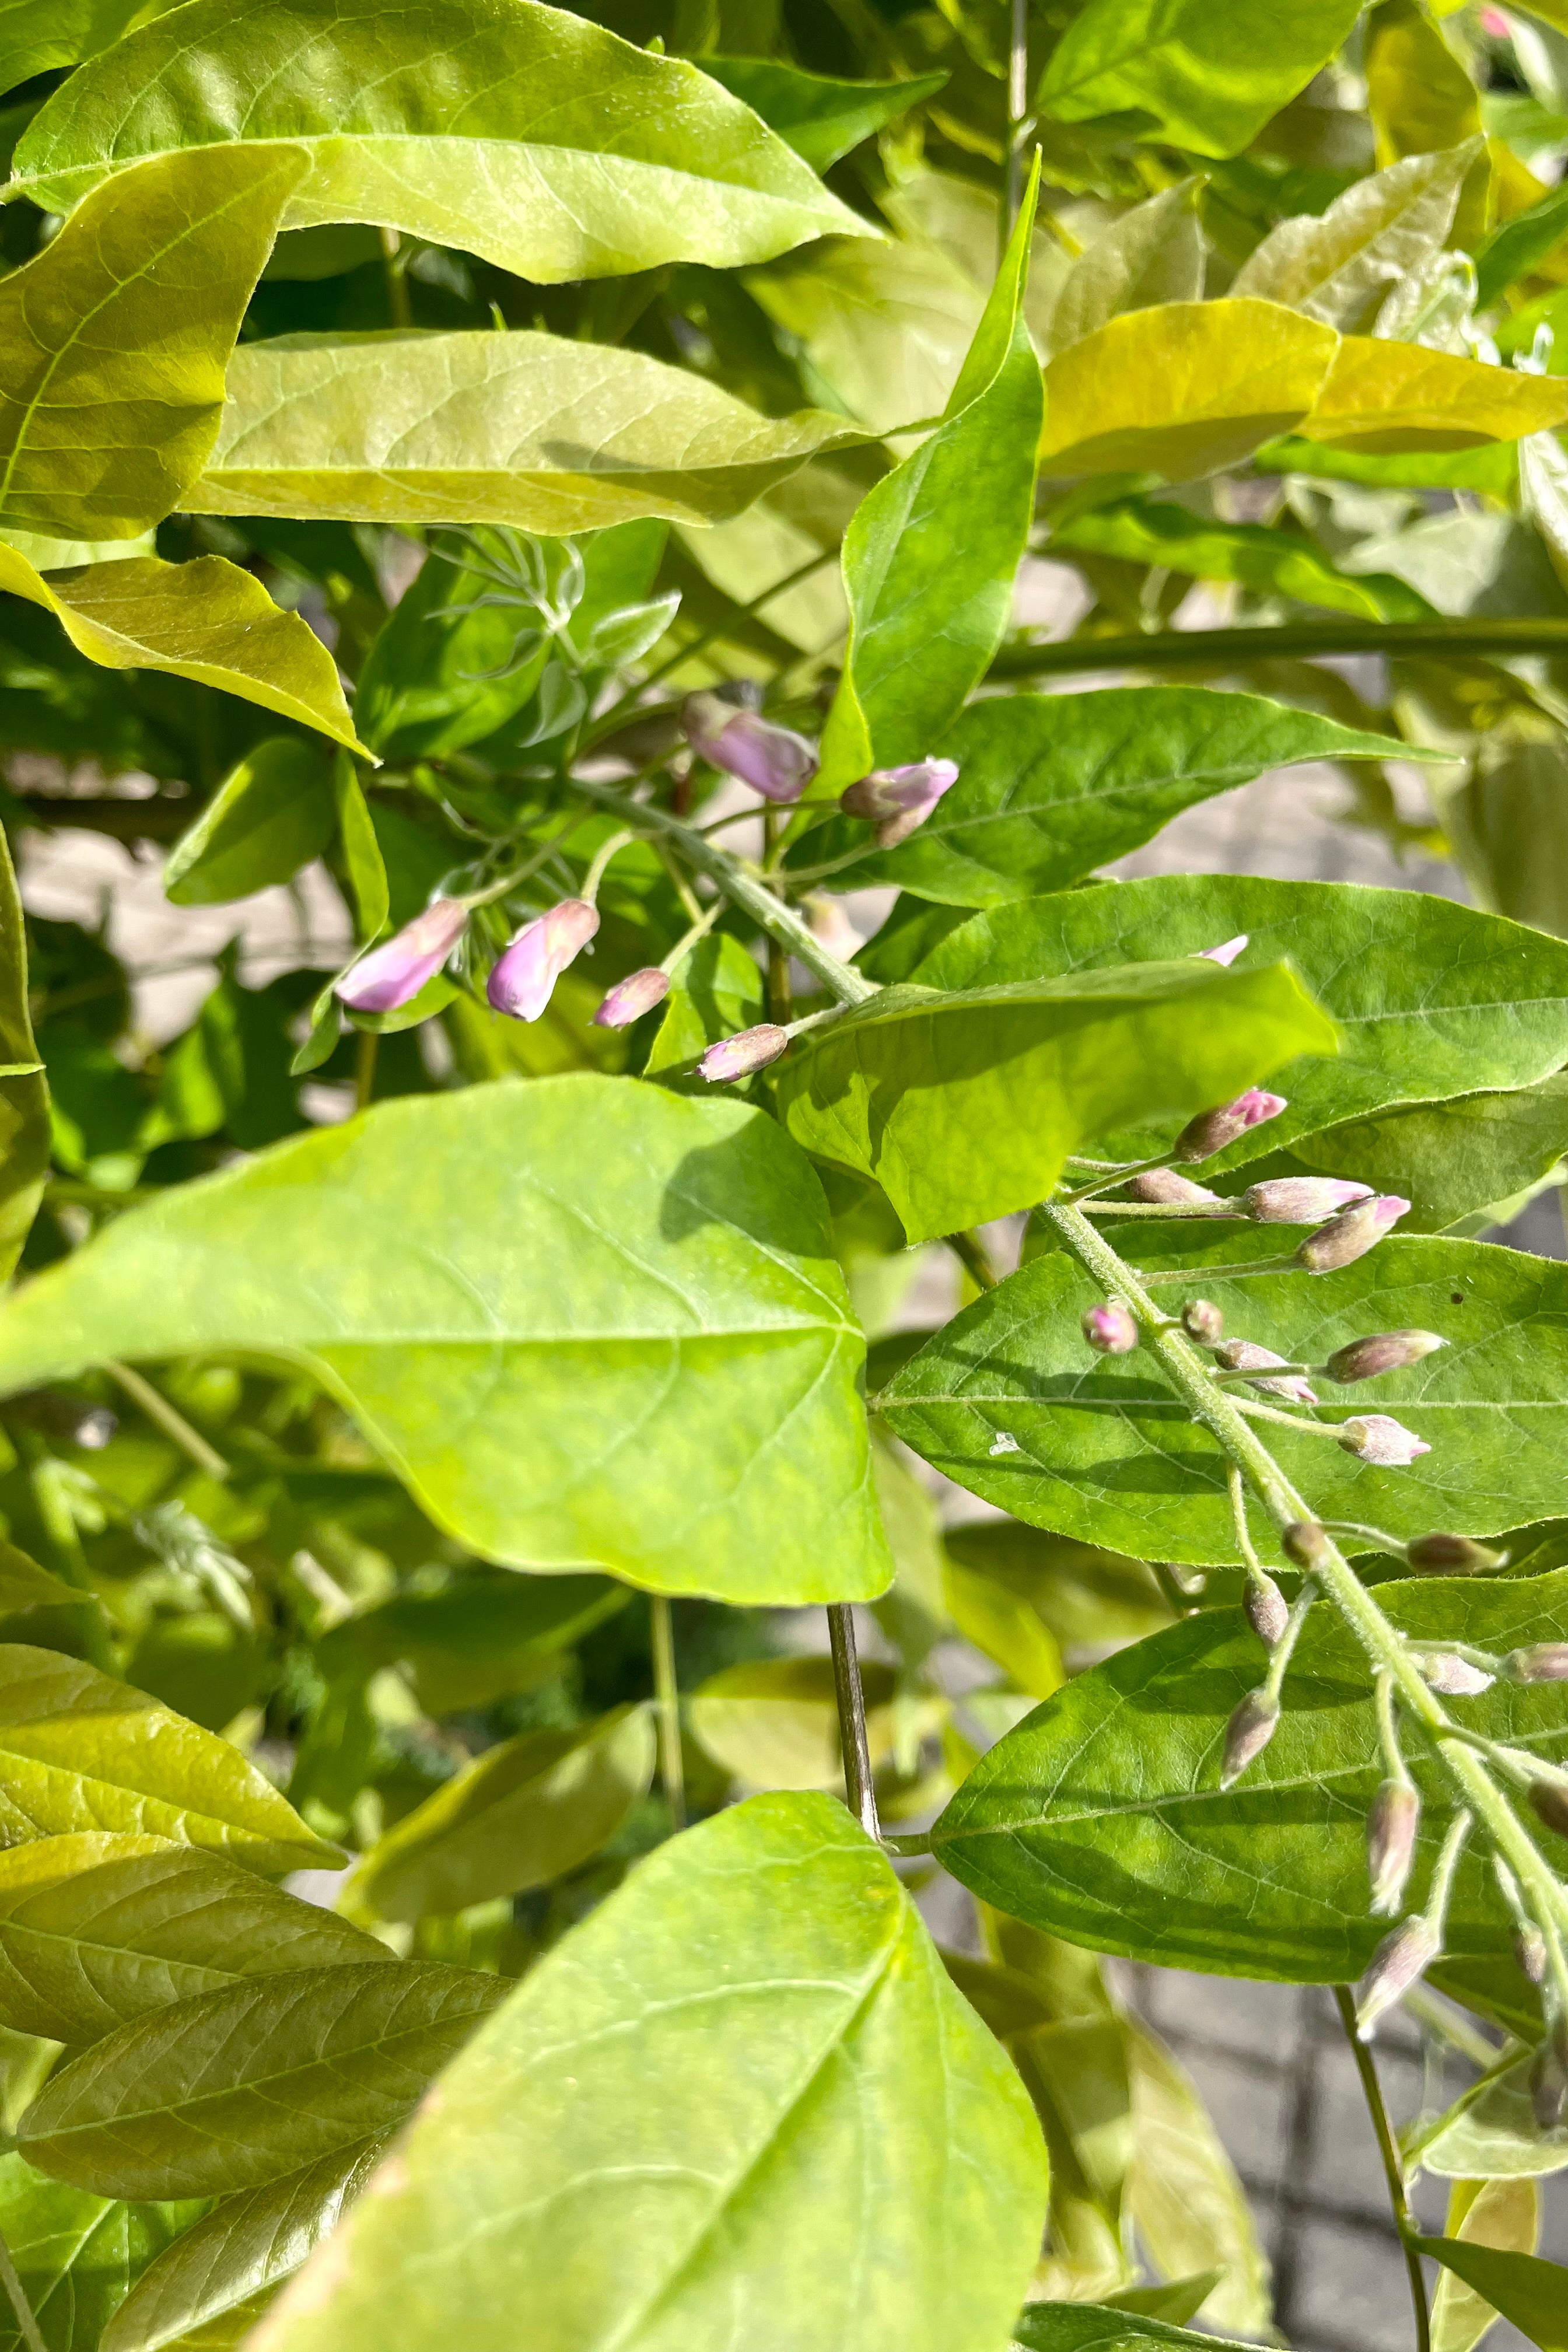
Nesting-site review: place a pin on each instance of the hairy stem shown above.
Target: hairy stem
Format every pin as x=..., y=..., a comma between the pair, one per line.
x=858, y=1788
x=666, y=1699
x=1393, y=2171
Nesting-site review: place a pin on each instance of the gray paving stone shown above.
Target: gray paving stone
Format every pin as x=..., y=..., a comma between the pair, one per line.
x=1351, y=2293
x=1344, y=2169
x=1233, y=2013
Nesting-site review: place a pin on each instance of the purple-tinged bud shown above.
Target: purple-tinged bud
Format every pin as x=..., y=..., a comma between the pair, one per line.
x=748, y=1050
x=1301, y=1199
x=1350, y=1234
x=1162, y=1188
x=1202, y=1320
x=1399, y=1961
x=1444, y=1555
x=1376, y=1437
x=1550, y=1800
x=1226, y=953
x=1110, y=1329
x=1213, y=1130
x=900, y=800
x=1391, y=1828
x=1246, y=1356
x=1246, y=1735
x=393, y=975
x=1451, y=1676
x=526, y=973
x=1381, y=1351
x=1530, y=1951
x=1305, y=1543
x=1544, y=1661
x=772, y=760
x=1266, y=1609
x=632, y=997
x=1548, y=2088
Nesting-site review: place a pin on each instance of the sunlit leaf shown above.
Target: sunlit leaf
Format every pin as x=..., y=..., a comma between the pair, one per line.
x=1384, y=396
x=1531, y=2294
x=77, y=2255
x=772, y=1723
x=1339, y=266
x=1266, y=558
x=271, y=814
x=820, y=118
x=1504, y=2214
x=1497, y=2136
x=1188, y=2206
x=1154, y=254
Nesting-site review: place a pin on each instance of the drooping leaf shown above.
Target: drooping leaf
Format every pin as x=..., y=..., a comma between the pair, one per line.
x=24, y=1585
x=963, y=1106
x=232, y=2090
x=1419, y=96
x=929, y=556
x=1154, y=254
x=479, y=123
x=698, y=2075
x=1002, y=1625
x=528, y=429
x=820, y=118
x=524, y=1812
x=80, y=1752
x=1504, y=2214
x=1272, y=561
x=97, y=1928
x=1101, y=1818
x=23, y=1093
x=620, y=1296
x=1184, y=2196
x=77, y=2255
x=271, y=814
x=1497, y=2136
x=1202, y=78
x=484, y=1636
x=1531, y=2294
x=1009, y=1401
x=1339, y=266
x=1384, y=396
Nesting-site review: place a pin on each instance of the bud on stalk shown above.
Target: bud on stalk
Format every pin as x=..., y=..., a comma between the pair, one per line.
x=900, y=800
x=1305, y=1542
x=393, y=975
x=632, y=997
x=1530, y=1951
x=1544, y=1661
x=1451, y=1676
x=1110, y=1329
x=1213, y=1130
x=1266, y=1608
x=1400, y=1961
x=1381, y=1351
x=1446, y=1555
x=522, y=980
x=1202, y=1320
x=1376, y=1438
x=1548, y=2088
x=748, y=1050
x=1550, y=1800
x=1162, y=1188
x=1301, y=1199
x=1246, y=1356
x=1247, y=1734
x=772, y=760
x=1350, y=1234
x=1391, y=1828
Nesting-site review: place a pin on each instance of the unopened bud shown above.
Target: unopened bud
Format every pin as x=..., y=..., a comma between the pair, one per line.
x=632, y=997
x=1381, y=1351
x=1376, y=1437
x=1548, y=2088
x=1450, y=1676
x=393, y=975
x=1246, y=1356
x=1164, y=1189
x=1350, y=1234
x=748, y=1050
x=95, y=1429
x=1530, y=1951
x=1391, y=1828
x=1226, y=953
x=1266, y=1608
x=1110, y=1329
x=898, y=800
x=1213, y=1130
x=772, y=760
x=1446, y=1555
x=1301, y=1199
x=1202, y=1320
x=1400, y=1961
x=1305, y=1542
x=524, y=976
x=1246, y=1735
x=1544, y=1661
x=1549, y=1800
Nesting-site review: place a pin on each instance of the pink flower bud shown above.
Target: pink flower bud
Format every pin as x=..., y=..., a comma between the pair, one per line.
x=1266, y=1609
x=521, y=981
x=1246, y=1356
x=1226, y=953
x=1301, y=1199
x=1399, y=1961
x=1350, y=1234
x=1550, y=1800
x=1374, y=1437
x=772, y=760
x=748, y=1050
x=1391, y=1828
x=1246, y=1735
x=1110, y=1329
x=1442, y=1555
x=1164, y=1189
x=899, y=799
x=1202, y=1320
x=1544, y=1661
x=1494, y=22
x=393, y=975
x=632, y=997
x=1383, y=1351
x=1450, y=1676
x=1213, y=1130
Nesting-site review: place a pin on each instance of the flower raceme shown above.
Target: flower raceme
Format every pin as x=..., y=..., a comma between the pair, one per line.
x=772, y=760
x=393, y=975
x=525, y=975
x=900, y=800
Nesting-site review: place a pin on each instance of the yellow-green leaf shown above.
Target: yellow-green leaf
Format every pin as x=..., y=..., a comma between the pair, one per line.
x=772, y=1722
x=1386, y=397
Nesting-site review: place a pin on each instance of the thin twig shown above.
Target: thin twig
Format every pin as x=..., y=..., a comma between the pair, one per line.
x=851, y=1697
x=173, y=1424
x=1393, y=2172
x=975, y=1258
x=32, y=2333
x=667, y=1698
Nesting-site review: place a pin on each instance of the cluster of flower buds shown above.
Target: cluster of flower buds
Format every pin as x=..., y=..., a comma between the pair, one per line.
x=1380, y=1352
x=1351, y=1233
x=1213, y=1130
x=772, y=760
x=523, y=978
x=1301, y=1199
x=1251, y=1727
x=1391, y=1828
x=1246, y=1356
x=393, y=975
x=748, y=1051
x=1110, y=1329
x=898, y=800
x=1377, y=1438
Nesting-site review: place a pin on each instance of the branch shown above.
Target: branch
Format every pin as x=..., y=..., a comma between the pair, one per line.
x=1174, y=648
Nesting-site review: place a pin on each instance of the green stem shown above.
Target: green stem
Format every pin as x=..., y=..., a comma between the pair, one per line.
x=173, y=1424
x=32, y=2333
x=366, y=1053
x=851, y=1697
x=1393, y=2171
x=975, y=1259
x=1388, y=1731
x=1174, y=648
x=666, y=1699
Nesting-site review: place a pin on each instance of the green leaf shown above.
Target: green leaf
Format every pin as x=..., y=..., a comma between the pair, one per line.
x=717, y=990
x=362, y=861
x=1339, y=266
x=528, y=429
x=1270, y=559
x=487, y=1636
x=821, y=119
x=271, y=814
x=23, y=1095
x=24, y=1585
x=1183, y=389
x=1176, y=2303
x=1519, y=246
x=1498, y=2213
x=97, y=1929
x=1531, y=2294
x=964, y=1105
x=1002, y=1625
x=1492, y=467
x=614, y=1298
x=1395, y=397
x=113, y=340
x=884, y=328
x=772, y=1723
x=78, y=1751
x=1099, y=2327
x=231, y=2090
x=698, y=2075
x=1496, y=2136
x=242, y=2251
x=1199, y=77
x=1154, y=253
x=538, y=140
x=1084, y=1597
x=39, y=35
x=929, y=556
x=75, y=2255
x=1430, y=998
x=523, y=1813
x=1009, y=1401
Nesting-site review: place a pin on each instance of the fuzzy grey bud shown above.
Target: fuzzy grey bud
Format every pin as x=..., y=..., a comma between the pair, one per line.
x=632, y=997
x=1543, y=1661
x=1246, y=1735
x=1213, y=1130
x=1530, y=1951
x=1162, y=1188
x=1400, y=1961
x=1110, y=1329
x=1380, y=1352
x=1548, y=2088
x=1305, y=1543
x=1550, y=1800
x=1202, y=1320
x=1246, y=1356
x=1376, y=1437
x=1391, y=1828
x=1301, y=1199
x=1266, y=1609
x=772, y=760
x=1446, y=1555
x=393, y=975
x=1450, y=1676
x=1350, y=1234
x=899, y=799
x=748, y=1050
